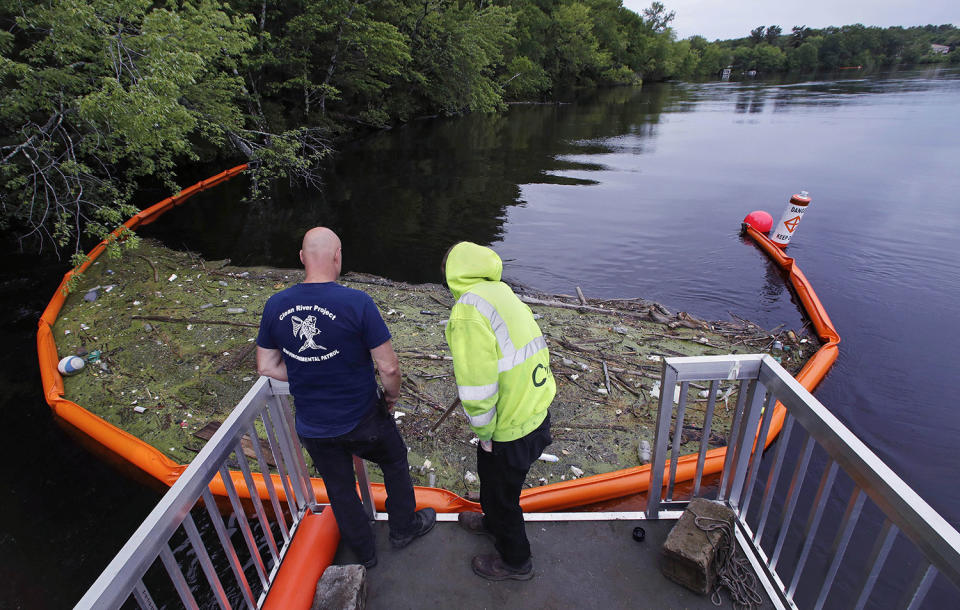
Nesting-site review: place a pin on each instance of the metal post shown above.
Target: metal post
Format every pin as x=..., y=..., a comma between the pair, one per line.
x=745, y=441
x=662, y=432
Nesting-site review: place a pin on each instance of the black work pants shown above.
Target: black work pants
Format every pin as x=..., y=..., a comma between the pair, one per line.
x=502, y=473
x=376, y=439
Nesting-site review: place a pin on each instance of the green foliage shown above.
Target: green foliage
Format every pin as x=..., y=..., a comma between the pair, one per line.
x=769, y=59
x=744, y=58
x=772, y=35
x=657, y=18
x=96, y=94
x=525, y=79
x=577, y=51
x=847, y=46
x=802, y=58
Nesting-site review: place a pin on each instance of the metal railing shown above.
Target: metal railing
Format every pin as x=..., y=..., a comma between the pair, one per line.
x=261, y=427
x=857, y=510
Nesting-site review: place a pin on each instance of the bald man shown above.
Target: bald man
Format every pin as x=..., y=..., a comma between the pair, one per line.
x=325, y=338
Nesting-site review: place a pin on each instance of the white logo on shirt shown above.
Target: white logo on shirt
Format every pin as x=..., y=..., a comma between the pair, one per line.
x=307, y=330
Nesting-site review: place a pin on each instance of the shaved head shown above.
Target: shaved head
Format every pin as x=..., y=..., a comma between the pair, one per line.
x=320, y=255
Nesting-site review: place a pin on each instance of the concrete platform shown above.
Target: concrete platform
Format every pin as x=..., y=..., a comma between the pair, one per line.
x=577, y=564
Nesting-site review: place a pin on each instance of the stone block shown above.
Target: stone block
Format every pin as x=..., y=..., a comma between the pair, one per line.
x=689, y=554
x=341, y=588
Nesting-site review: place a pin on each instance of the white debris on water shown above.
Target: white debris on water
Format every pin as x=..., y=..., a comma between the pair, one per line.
x=655, y=392
x=643, y=451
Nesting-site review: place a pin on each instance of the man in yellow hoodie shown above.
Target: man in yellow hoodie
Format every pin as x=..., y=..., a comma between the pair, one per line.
x=502, y=367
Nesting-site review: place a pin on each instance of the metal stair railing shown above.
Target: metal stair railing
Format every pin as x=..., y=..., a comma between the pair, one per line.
x=857, y=509
x=263, y=413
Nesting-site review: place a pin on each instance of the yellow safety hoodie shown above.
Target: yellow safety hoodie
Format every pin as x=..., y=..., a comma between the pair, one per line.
x=500, y=357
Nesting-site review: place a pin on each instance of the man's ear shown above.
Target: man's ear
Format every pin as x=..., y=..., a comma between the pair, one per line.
x=301, y=257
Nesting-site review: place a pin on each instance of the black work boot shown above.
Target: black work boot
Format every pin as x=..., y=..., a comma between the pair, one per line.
x=473, y=523
x=492, y=567
x=426, y=518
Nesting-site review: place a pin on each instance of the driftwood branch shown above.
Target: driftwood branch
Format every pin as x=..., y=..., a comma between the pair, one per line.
x=156, y=274
x=193, y=321
x=615, y=312
x=446, y=413
x=592, y=427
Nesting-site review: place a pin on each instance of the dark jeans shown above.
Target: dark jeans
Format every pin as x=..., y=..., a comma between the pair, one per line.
x=502, y=473
x=376, y=439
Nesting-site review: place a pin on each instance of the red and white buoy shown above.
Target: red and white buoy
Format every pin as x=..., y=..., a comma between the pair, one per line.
x=790, y=219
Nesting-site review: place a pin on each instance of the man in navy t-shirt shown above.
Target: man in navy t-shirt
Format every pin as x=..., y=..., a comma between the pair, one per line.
x=325, y=338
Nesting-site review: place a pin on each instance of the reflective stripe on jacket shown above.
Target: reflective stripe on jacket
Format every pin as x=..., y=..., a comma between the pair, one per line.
x=500, y=358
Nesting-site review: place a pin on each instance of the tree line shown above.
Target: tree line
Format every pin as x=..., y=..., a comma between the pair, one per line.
x=100, y=98
x=768, y=49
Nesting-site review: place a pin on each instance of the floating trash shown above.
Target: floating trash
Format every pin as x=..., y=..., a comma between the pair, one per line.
x=70, y=365
x=643, y=451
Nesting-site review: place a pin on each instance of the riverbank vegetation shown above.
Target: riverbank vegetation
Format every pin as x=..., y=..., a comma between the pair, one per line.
x=101, y=99
x=770, y=50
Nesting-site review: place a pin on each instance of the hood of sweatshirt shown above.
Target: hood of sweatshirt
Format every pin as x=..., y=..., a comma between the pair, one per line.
x=468, y=264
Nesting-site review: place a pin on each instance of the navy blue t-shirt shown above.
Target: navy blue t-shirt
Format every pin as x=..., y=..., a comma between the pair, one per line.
x=325, y=333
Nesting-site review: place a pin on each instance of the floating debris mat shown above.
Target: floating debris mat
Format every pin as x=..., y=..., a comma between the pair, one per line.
x=168, y=341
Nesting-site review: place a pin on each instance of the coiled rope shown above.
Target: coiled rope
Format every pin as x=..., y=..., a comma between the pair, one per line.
x=733, y=570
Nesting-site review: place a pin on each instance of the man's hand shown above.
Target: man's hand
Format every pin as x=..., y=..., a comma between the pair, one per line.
x=388, y=403
x=487, y=446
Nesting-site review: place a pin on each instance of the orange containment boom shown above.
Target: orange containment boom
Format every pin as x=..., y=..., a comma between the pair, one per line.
x=311, y=551
x=132, y=452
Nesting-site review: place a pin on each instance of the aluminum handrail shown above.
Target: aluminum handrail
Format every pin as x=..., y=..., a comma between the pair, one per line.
x=124, y=575
x=764, y=384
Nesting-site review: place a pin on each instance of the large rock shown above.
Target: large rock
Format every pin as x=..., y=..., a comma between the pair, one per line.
x=341, y=588
x=689, y=555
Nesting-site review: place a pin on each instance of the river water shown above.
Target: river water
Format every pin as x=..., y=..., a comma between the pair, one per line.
x=624, y=192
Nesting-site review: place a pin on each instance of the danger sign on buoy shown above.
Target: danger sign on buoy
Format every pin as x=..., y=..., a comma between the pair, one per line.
x=790, y=219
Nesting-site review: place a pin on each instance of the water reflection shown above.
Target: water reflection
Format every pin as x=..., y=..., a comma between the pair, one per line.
x=399, y=199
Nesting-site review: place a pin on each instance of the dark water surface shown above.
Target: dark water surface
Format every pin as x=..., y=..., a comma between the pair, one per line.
x=624, y=193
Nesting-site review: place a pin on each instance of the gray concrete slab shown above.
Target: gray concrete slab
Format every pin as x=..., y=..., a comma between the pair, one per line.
x=577, y=564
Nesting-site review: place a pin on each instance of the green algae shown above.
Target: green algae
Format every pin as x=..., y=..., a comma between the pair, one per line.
x=175, y=336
